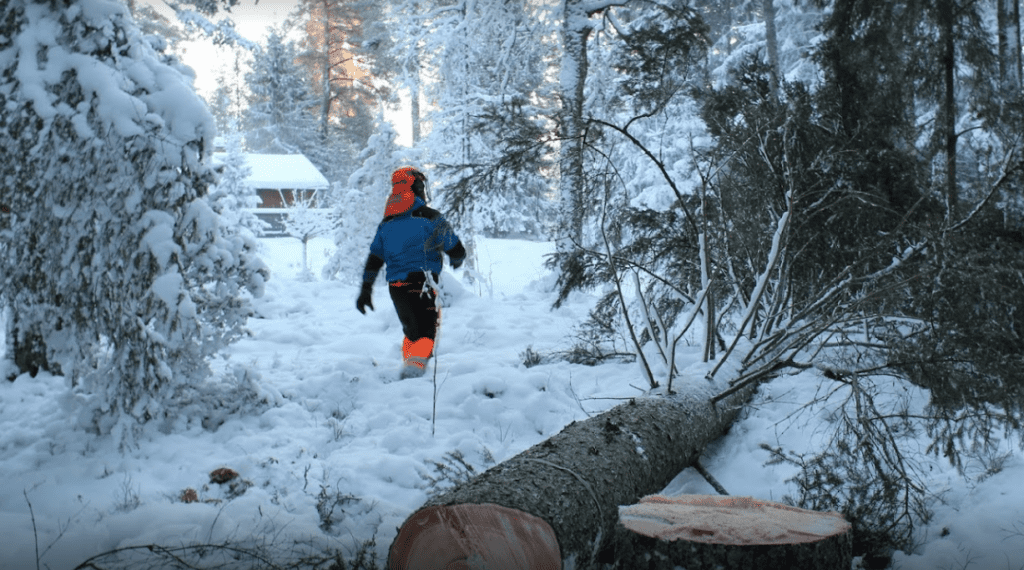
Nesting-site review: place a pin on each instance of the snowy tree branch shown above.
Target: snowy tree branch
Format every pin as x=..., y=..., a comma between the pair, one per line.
x=661, y=167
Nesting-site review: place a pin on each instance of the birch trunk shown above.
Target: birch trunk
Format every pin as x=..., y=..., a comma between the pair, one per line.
x=575, y=31
x=574, y=482
x=705, y=281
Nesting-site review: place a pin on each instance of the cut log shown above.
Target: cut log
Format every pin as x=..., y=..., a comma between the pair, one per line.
x=460, y=537
x=575, y=481
x=711, y=531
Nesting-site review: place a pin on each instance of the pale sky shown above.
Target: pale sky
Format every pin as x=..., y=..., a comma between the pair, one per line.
x=252, y=20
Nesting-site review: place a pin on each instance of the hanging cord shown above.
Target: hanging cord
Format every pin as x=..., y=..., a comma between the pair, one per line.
x=438, y=303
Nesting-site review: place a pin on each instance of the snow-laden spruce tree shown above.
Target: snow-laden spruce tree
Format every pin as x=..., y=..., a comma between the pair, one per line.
x=360, y=205
x=280, y=114
x=231, y=197
x=116, y=271
x=222, y=105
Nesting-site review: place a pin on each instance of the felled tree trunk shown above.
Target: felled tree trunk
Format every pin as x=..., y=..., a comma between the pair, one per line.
x=573, y=483
x=730, y=533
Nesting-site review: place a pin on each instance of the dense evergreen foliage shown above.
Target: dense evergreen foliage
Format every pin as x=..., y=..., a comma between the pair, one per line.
x=116, y=271
x=277, y=118
x=873, y=201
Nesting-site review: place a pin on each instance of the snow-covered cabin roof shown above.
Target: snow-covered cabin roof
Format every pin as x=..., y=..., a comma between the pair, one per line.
x=280, y=172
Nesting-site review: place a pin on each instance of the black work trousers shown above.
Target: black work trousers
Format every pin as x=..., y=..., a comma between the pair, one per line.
x=414, y=303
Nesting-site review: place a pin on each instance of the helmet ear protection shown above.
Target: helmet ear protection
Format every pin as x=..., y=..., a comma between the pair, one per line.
x=411, y=178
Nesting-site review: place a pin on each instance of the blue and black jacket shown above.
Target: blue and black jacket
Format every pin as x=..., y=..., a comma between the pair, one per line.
x=412, y=241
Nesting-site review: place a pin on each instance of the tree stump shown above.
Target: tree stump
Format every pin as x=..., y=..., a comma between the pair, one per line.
x=712, y=531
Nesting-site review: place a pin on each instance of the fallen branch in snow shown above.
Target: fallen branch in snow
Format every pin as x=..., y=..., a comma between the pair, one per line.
x=762, y=281
x=61, y=529
x=173, y=555
x=709, y=478
x=226, y=556
x=757, y=376
x=625, y=306
x=35, y=532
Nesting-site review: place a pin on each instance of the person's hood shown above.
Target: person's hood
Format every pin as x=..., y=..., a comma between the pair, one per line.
x=402, y=202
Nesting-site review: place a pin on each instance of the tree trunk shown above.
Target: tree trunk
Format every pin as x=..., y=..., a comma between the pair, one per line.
x=710, y=330
x=575, y=31
x=772, y=40
x=574, y=482
x=1015, y=44
x=1003, y=41
x=305, y=256
x=947, y=17
x=325, y=81
x=728, y=27
x=1008, y=16
x=729, y=533
x=415, y=103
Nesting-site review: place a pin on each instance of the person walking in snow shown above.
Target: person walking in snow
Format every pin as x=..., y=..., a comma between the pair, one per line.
x=410, y=241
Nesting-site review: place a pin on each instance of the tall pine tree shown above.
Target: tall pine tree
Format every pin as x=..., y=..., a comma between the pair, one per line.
x=337, y=66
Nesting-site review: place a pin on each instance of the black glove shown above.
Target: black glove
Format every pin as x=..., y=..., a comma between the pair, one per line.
x=457, y=262
x=364, y=298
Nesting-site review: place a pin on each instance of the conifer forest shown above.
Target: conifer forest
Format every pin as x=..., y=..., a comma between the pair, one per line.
x=833, y=186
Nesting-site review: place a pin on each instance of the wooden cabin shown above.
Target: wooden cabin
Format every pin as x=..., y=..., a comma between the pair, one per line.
x=279, y=179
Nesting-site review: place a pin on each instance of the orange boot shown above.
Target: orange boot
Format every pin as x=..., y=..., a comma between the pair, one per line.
x=415, y=355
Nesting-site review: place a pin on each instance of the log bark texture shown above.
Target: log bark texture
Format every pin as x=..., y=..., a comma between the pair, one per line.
x=576, y=480
x=729, y=533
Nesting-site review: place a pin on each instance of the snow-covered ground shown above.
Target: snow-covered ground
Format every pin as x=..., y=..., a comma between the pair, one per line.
x=345, y=434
